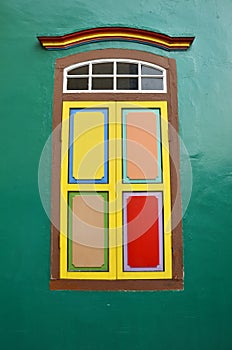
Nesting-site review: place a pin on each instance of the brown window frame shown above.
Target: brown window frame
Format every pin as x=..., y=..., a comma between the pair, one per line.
x=176, y=283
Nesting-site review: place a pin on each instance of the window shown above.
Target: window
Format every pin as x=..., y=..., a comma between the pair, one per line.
x=114, y=75
x=113, y=176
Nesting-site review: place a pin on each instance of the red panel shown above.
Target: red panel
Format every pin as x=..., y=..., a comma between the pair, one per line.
x=142, y=231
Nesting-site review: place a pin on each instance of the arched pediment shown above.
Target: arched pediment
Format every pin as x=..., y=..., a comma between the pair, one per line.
x=137, y=35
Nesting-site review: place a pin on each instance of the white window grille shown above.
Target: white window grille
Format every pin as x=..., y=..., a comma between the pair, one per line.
x=114, y=75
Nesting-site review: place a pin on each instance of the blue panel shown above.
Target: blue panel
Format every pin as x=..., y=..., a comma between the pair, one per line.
x=105, y=179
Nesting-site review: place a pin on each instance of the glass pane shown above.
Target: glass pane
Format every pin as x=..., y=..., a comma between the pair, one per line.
x=77, y=84
x=127, y=68
x=103, y=68
x=151, y=71
x=152, y=83
x=84, y=70
x=102, y=84
x=127, y=83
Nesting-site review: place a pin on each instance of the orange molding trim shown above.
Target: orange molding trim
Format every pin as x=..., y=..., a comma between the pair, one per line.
x=141, y=36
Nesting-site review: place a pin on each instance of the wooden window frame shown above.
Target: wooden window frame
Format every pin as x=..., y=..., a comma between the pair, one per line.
x=176, y=282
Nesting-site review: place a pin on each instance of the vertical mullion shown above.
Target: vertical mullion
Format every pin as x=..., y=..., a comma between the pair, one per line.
x=112, y=191
x=139, y=72
x=119, y=189
x=115, y=75
x=90, y=76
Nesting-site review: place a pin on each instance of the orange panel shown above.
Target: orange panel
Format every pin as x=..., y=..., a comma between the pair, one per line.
x=141, y=144
x=88, y=231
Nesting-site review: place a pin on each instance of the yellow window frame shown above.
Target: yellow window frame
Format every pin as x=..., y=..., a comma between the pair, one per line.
x=115, y=187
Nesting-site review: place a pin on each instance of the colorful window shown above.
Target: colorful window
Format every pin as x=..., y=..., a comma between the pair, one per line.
x=117, y=183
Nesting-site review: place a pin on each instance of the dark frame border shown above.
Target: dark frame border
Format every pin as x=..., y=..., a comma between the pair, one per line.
x=176, y=283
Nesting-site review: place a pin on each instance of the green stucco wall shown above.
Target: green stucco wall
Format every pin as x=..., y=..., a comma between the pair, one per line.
x=32, y=316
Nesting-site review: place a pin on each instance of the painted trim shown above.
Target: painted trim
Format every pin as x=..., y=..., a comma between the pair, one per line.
x=104, y=179
x=105, y=266
x=159, y=196
x=136, y=35
x=125, y=178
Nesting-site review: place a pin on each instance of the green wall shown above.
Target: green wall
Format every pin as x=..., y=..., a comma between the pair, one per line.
x=32, y=316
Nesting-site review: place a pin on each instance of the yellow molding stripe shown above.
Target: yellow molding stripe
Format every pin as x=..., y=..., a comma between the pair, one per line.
x=120, y=35
x=127, y=34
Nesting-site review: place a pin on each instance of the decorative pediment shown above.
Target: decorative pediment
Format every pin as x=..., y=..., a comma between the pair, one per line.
x=162, y=41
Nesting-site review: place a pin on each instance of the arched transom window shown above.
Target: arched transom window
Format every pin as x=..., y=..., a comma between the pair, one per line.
x=115, y=75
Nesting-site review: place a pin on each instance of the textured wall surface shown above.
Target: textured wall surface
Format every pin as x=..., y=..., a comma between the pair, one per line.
x=33, y=317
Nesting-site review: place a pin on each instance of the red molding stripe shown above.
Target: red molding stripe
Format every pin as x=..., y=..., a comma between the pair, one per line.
x=142, y=36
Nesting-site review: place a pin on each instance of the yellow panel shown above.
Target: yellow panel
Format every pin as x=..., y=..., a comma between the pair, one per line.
x=88, y=145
